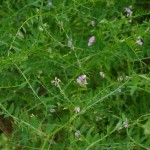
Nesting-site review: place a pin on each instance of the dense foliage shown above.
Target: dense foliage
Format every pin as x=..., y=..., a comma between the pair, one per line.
x=75, y=74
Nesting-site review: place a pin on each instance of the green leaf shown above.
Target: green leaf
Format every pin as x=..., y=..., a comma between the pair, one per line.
x=11, y=108
x=1, y=113
x=34, y=122
x=147, y=128
x=24, y=116
x=7, y=115
x=17, y=111
x=49, y=128
x=89, y=133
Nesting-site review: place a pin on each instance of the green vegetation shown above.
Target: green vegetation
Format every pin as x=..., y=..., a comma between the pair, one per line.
x=75, y=75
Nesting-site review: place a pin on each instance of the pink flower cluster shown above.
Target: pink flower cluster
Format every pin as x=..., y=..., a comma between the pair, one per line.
x=81, y=80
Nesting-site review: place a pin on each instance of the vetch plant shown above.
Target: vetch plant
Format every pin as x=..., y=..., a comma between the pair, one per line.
x=50, y=51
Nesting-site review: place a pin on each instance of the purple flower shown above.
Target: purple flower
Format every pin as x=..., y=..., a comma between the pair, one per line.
x=91, y=40
x=139, y=42
x=81, y=80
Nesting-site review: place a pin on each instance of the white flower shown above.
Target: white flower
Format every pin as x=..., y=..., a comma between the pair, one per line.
x=40, y=71
x=120, y=128
x=98, y=118
x=70, y=43
x=52, y=110
x=130, y=20
x=102, y=74
x=77, y=134
x=128, y=11
x=77, y=109
x=139, y=42
x=41, y=29
x=32, y=115
x=119, y=89
x=81, y=80
x=120, y=78
x=50, y=4
x=92, y=23
x=125, y=123
x=127, y=78
x=56, y=81
x=20, y=34
x=91, y=40
x=60, y=23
